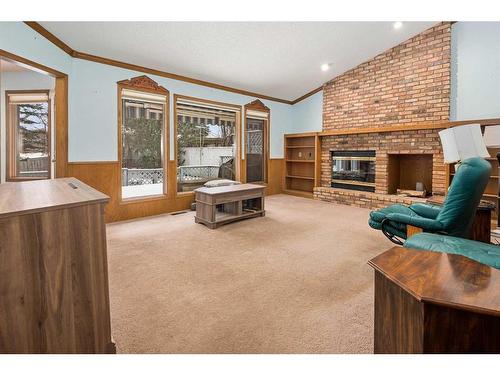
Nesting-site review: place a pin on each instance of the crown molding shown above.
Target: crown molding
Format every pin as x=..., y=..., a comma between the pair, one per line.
x=307, y=95
x=103, y=60
x=139, y=68
x=21, y=61
x=50, y=37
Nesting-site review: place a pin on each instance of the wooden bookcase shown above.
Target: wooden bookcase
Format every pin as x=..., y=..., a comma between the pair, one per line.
x=491, y=193
x=302, y=159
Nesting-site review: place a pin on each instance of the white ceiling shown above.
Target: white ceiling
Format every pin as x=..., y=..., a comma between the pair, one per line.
x=7, y=66
x=279, y=59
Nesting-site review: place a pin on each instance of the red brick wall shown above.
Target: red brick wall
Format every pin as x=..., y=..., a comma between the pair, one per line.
x=407, y=84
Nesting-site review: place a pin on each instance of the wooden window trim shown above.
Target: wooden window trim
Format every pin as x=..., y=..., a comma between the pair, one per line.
x=147, y=85
x=11, y=135
x=258, y=106
x=60, y=108
x=238, y=127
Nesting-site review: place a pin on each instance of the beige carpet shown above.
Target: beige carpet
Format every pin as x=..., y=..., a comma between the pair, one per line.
x=295, y=281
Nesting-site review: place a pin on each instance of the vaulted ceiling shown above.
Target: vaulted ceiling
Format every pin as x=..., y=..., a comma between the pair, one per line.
x=278, y=59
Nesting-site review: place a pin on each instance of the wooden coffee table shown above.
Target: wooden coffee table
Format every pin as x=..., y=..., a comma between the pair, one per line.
x=217, y=206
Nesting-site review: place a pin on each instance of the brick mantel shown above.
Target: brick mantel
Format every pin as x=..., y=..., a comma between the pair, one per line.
x=425, y=141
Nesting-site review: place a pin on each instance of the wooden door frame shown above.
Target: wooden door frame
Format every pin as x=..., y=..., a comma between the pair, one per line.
x=258, y=106
x=238, y=128
x=147, y=85
x=11, y=138
x=60, y=108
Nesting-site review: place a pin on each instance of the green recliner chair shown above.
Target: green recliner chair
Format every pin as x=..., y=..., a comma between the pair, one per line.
x=453, y=218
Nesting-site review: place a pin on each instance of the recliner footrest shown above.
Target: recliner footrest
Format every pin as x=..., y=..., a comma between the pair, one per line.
x=481, y=252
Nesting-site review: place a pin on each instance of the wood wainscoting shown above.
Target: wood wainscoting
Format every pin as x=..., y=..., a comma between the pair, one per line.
x=105, y=177
x=275, y=176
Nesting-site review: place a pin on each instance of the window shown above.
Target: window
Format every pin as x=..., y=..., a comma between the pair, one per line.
x=256, y=141
x=206, y=142
x=28, y=120
x=143, y=133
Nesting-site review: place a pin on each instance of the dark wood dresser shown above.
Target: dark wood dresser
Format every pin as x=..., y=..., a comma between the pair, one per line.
x=429, y=302
x=53, y=268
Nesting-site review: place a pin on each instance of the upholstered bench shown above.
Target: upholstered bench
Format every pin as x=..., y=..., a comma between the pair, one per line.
x=479, y=251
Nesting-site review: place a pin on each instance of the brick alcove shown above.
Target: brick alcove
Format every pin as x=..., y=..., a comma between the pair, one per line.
x=404, y=171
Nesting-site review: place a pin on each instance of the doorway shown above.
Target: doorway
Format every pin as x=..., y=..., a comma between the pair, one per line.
x=33, y=120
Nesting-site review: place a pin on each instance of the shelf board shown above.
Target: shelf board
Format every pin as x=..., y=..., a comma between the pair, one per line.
x=300, y=177
x=495, y=177
x=300, y=146
x=301, y=135
x=299, y=161
x=222, y=217
x=490, y=195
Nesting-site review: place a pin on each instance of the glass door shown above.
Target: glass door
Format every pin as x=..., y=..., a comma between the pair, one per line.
x=255, y=150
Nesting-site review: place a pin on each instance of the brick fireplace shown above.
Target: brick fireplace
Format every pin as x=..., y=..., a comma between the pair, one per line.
x=407, y=85
x=413, y=148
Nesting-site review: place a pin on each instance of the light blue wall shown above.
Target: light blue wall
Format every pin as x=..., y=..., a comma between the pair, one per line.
x=475, y=81
x=93, y=98
x=21, y=40
x=93, y=110
x=308, y=114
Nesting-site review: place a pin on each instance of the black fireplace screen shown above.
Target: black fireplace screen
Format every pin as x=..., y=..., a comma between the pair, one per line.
x=353, y=170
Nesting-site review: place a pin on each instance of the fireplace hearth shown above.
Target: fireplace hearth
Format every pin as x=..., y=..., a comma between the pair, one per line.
x=354, y=170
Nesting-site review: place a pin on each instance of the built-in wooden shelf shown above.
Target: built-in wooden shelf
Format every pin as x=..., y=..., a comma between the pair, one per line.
x=304, y=146
x=494, y=177
x=302, y=172
x=492, y=192
x=301, y=177
x=489, y=195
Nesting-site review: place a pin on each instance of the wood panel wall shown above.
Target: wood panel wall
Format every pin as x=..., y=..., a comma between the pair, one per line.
x=105, y=177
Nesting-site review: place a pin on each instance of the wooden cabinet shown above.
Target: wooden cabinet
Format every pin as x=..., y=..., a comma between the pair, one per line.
x=430, y=302
x=53, y=266
x=302, y=164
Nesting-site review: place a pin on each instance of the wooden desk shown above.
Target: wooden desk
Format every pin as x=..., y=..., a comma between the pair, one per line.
x=428, y=302
x=481, y=226
x=53, y=268
x=217, y=206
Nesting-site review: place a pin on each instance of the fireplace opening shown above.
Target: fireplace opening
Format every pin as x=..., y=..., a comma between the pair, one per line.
x=353, y=170
x=409, y=172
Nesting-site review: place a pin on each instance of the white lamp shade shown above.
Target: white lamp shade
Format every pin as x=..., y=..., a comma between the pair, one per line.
x=463, y=142
x=492, y=136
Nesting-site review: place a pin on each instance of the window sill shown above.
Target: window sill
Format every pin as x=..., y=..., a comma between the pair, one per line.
x=24, y=179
